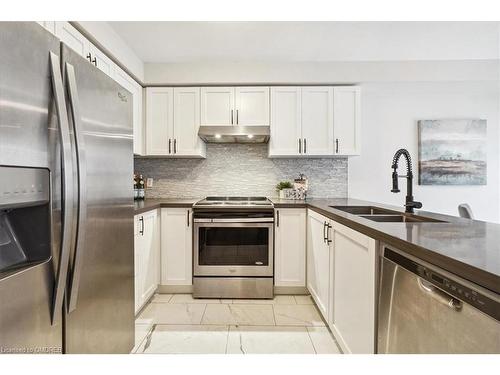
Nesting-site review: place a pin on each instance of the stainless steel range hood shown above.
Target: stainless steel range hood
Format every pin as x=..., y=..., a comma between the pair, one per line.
x=234, y=134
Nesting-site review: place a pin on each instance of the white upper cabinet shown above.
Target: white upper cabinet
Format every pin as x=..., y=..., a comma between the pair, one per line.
x=73, y=39
x=228, y=106
x=347, y=120
x=187, y=122
x=290, y=247
x=159, y=120
x=252, y=106
x=317, y=120
x=101, y=61
x=286, y=125
x=217, y=106
x=173, y=121
x=135, y=89
x=49, y=25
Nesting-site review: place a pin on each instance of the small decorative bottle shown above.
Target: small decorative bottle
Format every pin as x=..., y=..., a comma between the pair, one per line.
x=136, y=187
x=141, y=187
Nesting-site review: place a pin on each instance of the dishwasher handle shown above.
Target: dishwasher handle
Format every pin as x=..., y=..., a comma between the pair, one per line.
x=441, y=296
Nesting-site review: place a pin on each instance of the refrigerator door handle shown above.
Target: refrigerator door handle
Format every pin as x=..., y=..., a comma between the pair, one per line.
x=81, y=164
x=67, y=187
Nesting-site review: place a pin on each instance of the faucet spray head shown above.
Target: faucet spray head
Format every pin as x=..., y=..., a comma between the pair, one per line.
x=395, y=188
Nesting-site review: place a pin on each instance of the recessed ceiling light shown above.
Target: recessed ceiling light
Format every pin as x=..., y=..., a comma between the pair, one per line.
x=250, y=136
x=217, y=136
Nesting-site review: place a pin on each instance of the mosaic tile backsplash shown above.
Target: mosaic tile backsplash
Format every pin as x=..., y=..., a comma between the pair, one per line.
x=240, y=169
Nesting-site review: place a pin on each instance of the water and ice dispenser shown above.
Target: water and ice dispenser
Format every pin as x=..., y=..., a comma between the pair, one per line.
x=25, y=217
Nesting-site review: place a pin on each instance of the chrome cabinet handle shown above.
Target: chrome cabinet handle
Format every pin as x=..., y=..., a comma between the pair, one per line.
x=141, y=231
x=175, y=145
x=188, y=213
x=277, y=218
x=337, y=146
x=81, y=228
x=94, y=61
x=67, y=187
x=89, y=57
x=324, y=231
x=305, y=145
x=169, y=146
x=231, y=117
x=328, y=240
x=300, y=146
x=237, y=121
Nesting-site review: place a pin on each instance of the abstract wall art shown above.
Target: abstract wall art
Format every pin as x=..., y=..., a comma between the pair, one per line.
x=452, y=152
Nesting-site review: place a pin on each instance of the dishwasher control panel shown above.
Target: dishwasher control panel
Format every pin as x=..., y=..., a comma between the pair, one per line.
x=452, y=287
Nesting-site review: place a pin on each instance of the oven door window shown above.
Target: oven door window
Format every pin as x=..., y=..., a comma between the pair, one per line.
x=233, y=246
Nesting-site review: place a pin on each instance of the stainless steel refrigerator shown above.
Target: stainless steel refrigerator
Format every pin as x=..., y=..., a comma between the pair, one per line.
x=66, y=202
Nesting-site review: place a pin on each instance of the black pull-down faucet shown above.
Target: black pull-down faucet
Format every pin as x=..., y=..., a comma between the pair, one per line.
x=410, y=203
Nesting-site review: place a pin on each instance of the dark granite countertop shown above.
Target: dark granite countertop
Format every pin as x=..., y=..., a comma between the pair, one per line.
x=148, y=204
x=467, y=248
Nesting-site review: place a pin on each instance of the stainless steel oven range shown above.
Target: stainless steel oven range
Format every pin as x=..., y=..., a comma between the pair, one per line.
x=233, y=247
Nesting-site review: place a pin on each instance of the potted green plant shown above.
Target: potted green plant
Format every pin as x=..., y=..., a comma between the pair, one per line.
x=282, y=187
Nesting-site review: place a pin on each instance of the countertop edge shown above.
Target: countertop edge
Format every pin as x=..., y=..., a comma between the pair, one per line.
x=473, y=274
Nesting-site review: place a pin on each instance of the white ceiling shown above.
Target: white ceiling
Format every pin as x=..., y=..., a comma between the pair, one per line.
x=173, y=42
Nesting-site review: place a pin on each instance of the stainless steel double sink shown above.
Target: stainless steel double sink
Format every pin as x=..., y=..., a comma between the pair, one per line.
x=384, y=215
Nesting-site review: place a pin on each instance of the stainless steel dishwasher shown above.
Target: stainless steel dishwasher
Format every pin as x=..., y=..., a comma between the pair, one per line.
x=425, y=309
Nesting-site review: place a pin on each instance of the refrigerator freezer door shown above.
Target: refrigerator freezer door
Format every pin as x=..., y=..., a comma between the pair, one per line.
x=28, y=137
x=103, y=318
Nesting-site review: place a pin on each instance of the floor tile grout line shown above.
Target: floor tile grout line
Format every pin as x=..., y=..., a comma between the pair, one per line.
x=203, y=315
x=227, y=338
x=310, y=338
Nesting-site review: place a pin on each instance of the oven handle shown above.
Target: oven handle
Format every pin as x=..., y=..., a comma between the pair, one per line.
x=237, y=220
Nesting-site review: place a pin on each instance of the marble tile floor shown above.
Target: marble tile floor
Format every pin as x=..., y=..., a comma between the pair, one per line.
x=180, y=324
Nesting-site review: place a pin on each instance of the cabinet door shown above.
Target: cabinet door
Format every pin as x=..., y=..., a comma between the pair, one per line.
x=176, y=247
x=135, y=89
x=317, y=121
x=72, y=38
x=354, y=288
x=187, y=122
x=290, y=247
x=101, y=61
x=217, y=106
x=252, y=106
x=285, y=121
x=138, y=249
x=347, y=120
x=159, y=120
x=318, y=262
x=149, y=261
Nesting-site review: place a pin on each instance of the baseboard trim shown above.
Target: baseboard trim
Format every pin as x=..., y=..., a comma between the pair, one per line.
x=290, y=290
x=175, y=289
x=299, y=290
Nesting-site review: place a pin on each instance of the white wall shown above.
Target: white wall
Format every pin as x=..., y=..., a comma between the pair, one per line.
x=228, y=72
x=389, y=121
x=112, y=43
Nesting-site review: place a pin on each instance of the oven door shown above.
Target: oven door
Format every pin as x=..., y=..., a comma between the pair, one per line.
x=229, y=248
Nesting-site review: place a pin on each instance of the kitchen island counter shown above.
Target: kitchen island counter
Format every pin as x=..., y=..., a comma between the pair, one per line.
x=467, y=248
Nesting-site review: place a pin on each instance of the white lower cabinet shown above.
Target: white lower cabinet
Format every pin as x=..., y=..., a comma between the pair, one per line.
x=319, y=258
x=146, y=256
x=176, y=246
x=290, y=247
x=354, y=289
x=341, y=277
